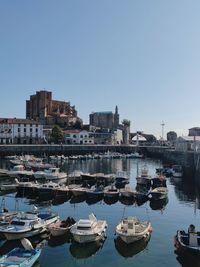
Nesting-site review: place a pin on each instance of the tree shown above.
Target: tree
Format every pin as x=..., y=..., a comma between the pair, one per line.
x=57, y=134
x=126, y=123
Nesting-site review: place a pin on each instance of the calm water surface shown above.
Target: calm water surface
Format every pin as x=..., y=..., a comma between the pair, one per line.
x=181, y=209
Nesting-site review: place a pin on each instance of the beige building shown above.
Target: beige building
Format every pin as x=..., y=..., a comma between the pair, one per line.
x=42, y=108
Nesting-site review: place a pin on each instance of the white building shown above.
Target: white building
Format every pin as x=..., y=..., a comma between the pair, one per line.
x=20, y=131
x=78, y=137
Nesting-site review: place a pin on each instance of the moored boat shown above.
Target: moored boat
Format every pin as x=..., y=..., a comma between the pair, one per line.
x=61, y=228
x=28, y=224
x=130, y=229
x=89, y=230
x=189, y=241
x=158, y=193
x=21, y=257
x=111, y=192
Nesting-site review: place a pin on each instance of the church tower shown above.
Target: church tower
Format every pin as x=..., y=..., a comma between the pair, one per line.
x=116, y=118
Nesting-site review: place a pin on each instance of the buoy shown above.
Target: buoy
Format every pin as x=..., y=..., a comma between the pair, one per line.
x=26, y=244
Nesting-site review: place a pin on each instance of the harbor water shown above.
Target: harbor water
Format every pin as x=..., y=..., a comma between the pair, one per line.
x=178, y=211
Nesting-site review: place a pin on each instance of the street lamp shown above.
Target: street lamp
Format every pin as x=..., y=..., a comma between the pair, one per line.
x=162, y=124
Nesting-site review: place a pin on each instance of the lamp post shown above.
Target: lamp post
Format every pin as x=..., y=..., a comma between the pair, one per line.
x=162, y=124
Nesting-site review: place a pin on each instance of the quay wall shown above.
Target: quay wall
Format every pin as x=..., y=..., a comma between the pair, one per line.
x=187, y=159
x=63, y=149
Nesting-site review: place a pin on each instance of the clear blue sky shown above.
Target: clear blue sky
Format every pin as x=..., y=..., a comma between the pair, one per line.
x=142, y=55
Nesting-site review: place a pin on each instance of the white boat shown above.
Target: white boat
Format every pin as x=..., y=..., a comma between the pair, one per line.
x=130, y=229
x=54, y=174
x=61, y=228
x=19, y=171
x=89, y=230
x=27, y=224
x=158, y=193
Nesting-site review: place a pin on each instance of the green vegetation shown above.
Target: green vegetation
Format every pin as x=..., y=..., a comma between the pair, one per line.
x=57, y=134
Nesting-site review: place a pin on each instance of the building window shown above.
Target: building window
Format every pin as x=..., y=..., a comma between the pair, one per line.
x=18, y=124
x=85, y=136
x=74, y=136
x=24, y=130
x=18, y=130
x=31, y=130
x=36, y=130
x=81, y=136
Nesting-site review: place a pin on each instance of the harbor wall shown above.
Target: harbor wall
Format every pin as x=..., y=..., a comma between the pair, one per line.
x=63, y=149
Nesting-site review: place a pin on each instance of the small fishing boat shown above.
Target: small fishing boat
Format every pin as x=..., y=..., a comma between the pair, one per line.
x=61, y=228
x=95, y=192
x=21, y=257
x=89, y=230
x=54, y=174
x=111, y=192
x=28, y=224
x=158, y=193
x=130, y=229
x=189, y=241
x=19, y=171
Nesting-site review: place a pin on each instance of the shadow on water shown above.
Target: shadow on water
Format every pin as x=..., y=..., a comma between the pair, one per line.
x=77, y=199
x=129, y=250
x=110, y=200
x=36, y=241
x=158, y=204
x=186, y=189
x=82, y=251
x=59, y=240
x=128, y=201
x=187, y=259
x=91, y=201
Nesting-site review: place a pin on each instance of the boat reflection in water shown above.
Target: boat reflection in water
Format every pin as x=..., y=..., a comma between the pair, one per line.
x=38, y=241
x=77, y=199
x=83, y=251
x=110, y=200
x=91, y=201
x=129, y=250
x=126, y=200
x=185, y=258
x=59, y=240
x=158, y=204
